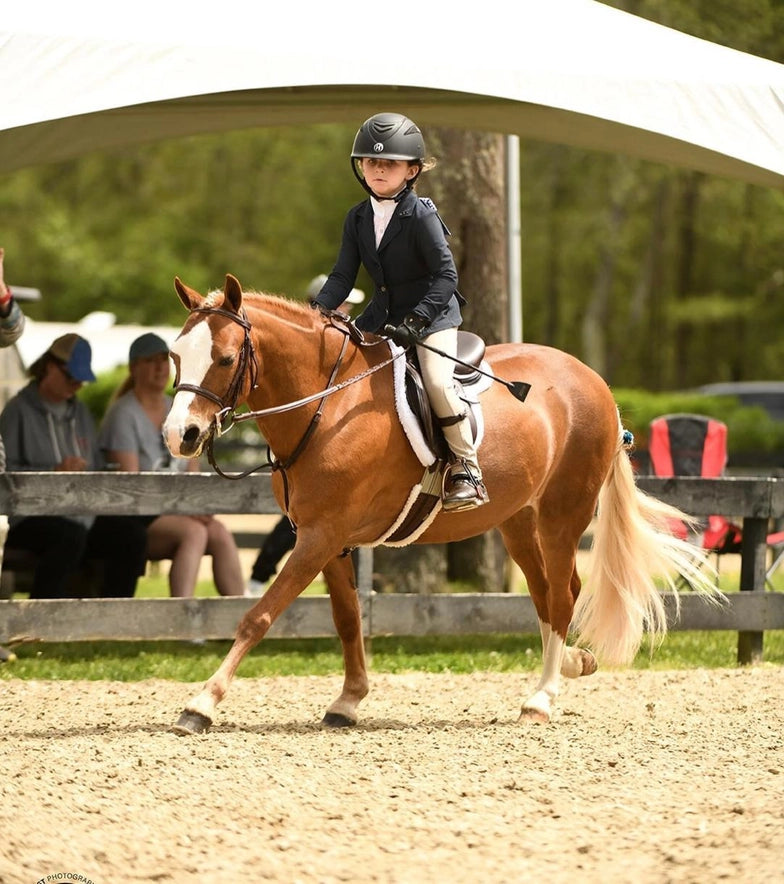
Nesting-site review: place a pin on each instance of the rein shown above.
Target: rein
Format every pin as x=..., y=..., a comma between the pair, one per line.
x=248, y=362
x=290, y=406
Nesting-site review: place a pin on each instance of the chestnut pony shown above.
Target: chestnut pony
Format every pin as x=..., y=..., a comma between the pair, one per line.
x=346, y=478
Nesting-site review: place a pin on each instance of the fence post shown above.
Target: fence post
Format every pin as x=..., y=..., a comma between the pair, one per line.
x=752, y=577
x=364, y=569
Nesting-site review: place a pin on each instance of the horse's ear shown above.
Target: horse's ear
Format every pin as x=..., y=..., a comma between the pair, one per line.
x=232, y=292
x=189, y=297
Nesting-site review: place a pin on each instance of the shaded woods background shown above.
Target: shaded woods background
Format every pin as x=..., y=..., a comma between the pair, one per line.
x=657, y=277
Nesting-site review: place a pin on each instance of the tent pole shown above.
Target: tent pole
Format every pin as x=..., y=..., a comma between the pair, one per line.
x=513, y=224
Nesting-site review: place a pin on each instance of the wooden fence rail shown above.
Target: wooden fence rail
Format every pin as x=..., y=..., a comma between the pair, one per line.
x=751, y=612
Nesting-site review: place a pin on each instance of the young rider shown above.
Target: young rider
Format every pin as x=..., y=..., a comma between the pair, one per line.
x=401, y=241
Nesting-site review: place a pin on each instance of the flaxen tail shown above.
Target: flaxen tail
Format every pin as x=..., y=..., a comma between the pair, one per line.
x=632, y=545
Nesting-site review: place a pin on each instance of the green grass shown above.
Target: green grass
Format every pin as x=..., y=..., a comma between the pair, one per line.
x=183, y=661
x=156, y=586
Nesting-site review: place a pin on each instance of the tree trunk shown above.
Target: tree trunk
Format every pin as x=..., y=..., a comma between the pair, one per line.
x=557, y=198
x=597, y=311
x=597, y=341
x=420, y=569
x=646, y=320
x=469, y=188
x=684, y=286
x=481, y=562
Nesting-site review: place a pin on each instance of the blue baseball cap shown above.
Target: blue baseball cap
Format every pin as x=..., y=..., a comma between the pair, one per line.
x=75, y=353
x=148, y=344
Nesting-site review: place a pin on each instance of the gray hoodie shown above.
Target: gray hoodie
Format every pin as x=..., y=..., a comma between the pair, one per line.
x=38, y=435
x=11, y=328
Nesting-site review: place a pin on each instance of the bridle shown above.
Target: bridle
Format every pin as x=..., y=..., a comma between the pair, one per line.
x=248, y=363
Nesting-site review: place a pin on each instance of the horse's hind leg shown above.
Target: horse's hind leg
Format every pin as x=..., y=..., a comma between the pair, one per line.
x=346, y=614
x=576, y=661
x=553, y=584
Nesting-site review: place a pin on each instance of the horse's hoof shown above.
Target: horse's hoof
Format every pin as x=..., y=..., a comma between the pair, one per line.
x=529, y=715
x=589, y=662
x=191, y=723
x=335, y=719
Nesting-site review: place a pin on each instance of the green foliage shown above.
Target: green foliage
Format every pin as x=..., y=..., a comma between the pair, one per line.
x=755, y=26
x=111, y=231
x=749, y=428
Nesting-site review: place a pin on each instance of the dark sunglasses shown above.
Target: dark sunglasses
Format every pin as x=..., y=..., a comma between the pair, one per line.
x=68, y=376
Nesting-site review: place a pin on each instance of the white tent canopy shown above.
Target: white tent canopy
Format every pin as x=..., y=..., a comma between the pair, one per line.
x=567, y=71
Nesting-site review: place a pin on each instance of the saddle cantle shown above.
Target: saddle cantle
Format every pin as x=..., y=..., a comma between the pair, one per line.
x=470, y=349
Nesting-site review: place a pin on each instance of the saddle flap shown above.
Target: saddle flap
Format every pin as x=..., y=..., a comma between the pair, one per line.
x=420, y=405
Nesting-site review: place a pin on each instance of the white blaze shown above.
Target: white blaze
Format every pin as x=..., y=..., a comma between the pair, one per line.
x=195, y=353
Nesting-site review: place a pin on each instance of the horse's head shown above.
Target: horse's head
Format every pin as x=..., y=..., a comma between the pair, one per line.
x=215, y=366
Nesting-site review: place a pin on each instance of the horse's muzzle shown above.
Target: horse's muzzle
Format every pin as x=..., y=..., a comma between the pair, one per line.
x=192, y=442
x=185, y=441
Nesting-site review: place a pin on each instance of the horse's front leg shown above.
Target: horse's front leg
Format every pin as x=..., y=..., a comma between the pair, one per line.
x=347, y=616
x=298, y=572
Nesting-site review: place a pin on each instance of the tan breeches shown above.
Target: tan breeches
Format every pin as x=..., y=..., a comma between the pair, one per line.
x=437, y=376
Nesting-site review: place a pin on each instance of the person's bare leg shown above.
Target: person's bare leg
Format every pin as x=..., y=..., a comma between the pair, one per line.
x=226, y=566
x=183, y=540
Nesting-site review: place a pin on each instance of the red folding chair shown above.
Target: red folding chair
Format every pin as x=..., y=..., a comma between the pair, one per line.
x=776, y=544
x=696, y=445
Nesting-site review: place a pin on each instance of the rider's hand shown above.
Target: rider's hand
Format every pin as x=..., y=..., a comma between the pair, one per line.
x=410, y=331
x=5, y=292
x=315, y=305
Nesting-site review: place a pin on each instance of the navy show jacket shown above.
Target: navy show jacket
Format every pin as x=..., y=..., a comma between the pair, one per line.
x=413, y=270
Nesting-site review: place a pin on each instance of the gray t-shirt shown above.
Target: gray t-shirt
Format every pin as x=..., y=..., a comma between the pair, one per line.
x=126, y=427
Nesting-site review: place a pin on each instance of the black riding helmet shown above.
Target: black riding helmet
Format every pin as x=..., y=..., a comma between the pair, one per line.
x=389, y=137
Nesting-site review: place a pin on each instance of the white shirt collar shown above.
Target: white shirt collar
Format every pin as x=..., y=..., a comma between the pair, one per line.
x=383, y=208
x=382, y=214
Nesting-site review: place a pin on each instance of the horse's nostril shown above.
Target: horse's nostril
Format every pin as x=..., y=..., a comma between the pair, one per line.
x=190, y=435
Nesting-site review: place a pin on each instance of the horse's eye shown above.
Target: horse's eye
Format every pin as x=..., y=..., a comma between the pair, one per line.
x=226, y=360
